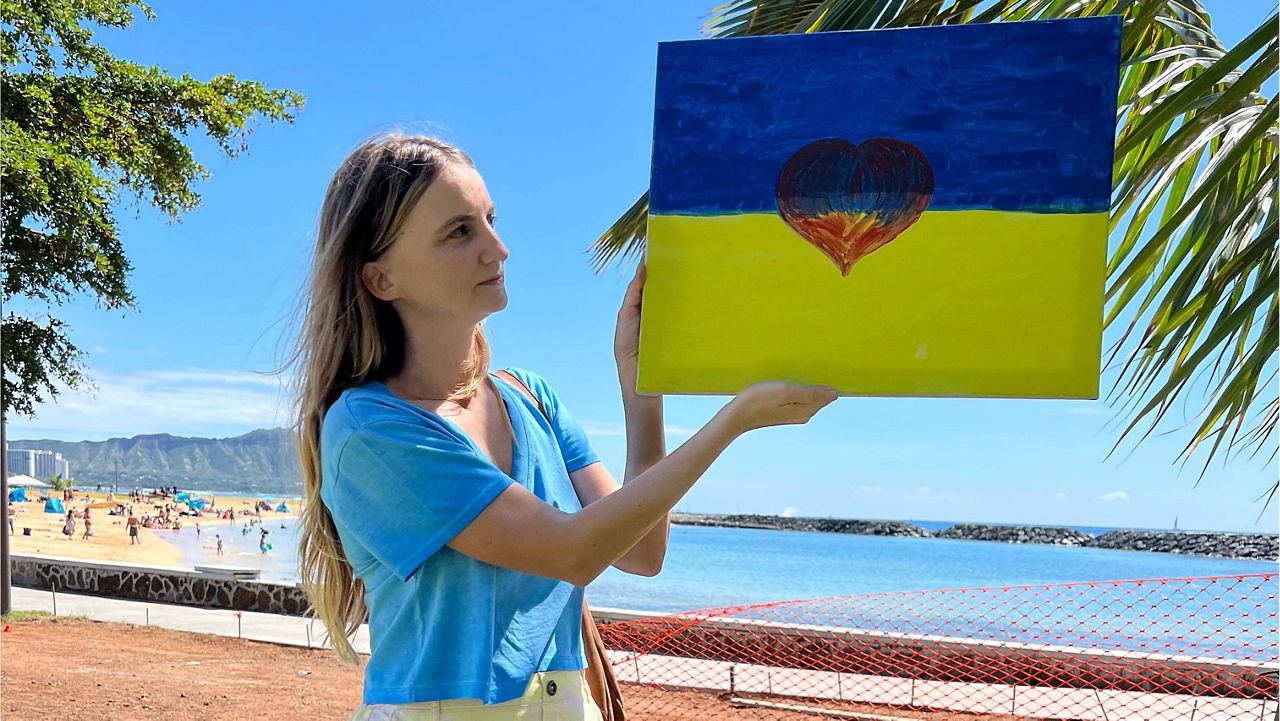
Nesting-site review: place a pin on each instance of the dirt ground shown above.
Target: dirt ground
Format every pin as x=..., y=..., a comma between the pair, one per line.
x=74, y=669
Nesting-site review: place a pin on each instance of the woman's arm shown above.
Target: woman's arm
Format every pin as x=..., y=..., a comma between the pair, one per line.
x=520, y=531
x=646, y=437
x=646, y=445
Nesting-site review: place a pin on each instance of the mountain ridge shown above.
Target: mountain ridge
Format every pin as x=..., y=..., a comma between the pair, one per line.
x=263, y=460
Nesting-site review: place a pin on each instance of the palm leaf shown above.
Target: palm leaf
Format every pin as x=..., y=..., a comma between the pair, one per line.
x=1194, y=211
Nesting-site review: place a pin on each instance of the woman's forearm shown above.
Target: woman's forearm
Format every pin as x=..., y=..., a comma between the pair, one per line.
x=646, y=445
x=613, y=525
x=646, y=437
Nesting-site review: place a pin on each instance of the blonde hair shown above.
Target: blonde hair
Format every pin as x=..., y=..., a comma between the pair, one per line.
x=349, y=337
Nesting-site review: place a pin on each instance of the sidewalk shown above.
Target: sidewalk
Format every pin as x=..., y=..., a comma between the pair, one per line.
x=269, y=627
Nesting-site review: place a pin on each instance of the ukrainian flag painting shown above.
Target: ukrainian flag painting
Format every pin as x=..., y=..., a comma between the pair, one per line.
x=913, y=212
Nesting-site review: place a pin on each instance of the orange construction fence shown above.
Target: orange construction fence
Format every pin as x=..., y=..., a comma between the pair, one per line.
x=1192, y=649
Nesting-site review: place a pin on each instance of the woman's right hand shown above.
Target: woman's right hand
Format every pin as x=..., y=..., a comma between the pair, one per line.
x=778, y=403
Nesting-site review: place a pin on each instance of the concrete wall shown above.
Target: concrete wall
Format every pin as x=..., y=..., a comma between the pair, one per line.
x=159, y=585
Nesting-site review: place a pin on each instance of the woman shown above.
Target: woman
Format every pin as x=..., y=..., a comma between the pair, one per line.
x=69, y=527
x=463, y=510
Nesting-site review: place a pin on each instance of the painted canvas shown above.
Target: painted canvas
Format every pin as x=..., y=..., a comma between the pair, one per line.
x=916, y=212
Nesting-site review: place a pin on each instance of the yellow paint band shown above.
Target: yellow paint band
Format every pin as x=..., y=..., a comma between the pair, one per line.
x=964, y=303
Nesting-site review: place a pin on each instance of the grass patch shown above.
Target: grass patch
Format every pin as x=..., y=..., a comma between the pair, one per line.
x=26, y=616
x=20, y=616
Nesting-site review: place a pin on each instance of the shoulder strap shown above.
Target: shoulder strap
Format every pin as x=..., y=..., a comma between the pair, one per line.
x=522, y=388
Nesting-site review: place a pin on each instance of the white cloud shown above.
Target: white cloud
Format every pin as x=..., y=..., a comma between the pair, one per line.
x=202, y=376
x=869, y=490
x=790, y=512
x=1060, y=496
x=619, y=430
x=189, y=401
x=604, y=430
x=925, y=490
x=1114, y=496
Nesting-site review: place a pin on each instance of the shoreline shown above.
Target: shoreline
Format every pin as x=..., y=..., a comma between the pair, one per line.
x=109, y=541
x=1209, y=544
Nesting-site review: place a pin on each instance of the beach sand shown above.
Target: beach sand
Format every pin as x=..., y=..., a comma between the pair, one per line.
x=110, y=539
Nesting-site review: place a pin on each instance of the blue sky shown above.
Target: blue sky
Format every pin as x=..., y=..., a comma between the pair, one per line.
x=555, y=104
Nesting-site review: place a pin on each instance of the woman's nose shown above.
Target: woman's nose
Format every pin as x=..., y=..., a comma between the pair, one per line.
x=497, y=251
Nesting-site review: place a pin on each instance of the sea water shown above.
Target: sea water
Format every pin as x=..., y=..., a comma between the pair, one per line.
x=709, y=567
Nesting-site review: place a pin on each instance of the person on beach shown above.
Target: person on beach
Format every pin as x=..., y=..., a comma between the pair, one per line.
x=217, y=537
x=133, y=528
x=465, y=510
x=262, y=541
x=69, y=526
x=88, y=531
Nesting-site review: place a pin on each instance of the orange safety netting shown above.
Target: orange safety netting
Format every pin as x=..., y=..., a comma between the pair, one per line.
x=1186, y=648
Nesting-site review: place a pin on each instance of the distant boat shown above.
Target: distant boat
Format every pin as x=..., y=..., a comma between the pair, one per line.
x=1175, y=523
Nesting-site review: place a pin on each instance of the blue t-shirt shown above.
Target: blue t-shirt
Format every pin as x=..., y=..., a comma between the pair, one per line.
x=400, y=483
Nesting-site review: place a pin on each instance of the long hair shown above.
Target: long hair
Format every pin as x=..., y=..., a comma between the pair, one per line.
x=348, y=337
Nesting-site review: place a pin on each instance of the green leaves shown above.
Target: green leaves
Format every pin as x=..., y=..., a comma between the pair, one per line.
x=81, y=131
x=1194, y=263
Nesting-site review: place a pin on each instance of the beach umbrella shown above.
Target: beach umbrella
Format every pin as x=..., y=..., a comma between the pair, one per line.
x=24, y=480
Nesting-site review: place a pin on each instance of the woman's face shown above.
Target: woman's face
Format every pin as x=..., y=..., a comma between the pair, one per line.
x=447, y=260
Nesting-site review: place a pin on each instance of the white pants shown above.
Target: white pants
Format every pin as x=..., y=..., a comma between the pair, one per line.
x=551, y=696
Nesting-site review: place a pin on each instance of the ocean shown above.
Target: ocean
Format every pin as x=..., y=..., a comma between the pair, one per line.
x=709, y=567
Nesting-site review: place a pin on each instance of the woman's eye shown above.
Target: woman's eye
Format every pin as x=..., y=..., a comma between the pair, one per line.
x=461, y=231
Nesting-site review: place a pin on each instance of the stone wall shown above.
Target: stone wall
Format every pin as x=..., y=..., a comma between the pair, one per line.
x=1246, y=546
x=159, y=585
x=1221, y=545
x=1048, y=535
x=788, y=523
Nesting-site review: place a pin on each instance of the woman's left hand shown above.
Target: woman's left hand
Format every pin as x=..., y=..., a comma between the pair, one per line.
x=626, y=337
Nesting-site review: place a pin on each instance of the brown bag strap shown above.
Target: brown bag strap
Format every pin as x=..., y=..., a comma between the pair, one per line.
x=599, y=672
x=523, y=389
x=600, y=677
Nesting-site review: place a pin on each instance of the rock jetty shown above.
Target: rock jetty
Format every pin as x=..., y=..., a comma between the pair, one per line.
x=1047, y=535
x=1241, y=546
x=1255, y=546
x=788, y=523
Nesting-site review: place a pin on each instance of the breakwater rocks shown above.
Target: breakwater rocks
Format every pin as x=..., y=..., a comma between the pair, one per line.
x=1255, y=546
x=788, y=523
x=1047, y=535
x=1241, y=546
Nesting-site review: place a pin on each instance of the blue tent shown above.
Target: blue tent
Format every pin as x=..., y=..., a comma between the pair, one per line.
x=197, y=503
x=182, y=497
x=54, y=505
x=17, y=494
x=282, y=508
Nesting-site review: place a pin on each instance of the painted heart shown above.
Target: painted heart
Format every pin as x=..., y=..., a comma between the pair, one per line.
x=849, y=200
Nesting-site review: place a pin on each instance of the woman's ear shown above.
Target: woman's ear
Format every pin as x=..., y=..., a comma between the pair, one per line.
x=377, y=282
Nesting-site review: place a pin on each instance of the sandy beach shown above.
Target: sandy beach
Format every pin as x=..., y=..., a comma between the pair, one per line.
x=110, y=539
